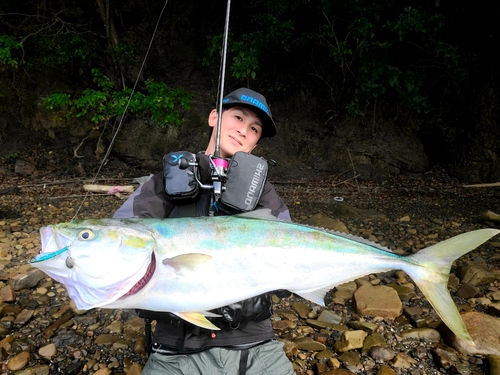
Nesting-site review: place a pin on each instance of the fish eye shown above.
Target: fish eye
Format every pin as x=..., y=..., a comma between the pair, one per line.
x=86, y=234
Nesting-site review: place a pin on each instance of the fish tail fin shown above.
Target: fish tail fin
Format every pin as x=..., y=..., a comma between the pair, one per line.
x=433, y=272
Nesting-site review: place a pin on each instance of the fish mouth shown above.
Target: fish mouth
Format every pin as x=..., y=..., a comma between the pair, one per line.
x=145, y=279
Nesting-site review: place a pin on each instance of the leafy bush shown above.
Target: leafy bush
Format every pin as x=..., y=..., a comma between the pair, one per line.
x=104, y=103
x=8, y=43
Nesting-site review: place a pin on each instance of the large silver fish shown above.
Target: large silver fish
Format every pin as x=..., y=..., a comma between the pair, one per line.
x=191, y=265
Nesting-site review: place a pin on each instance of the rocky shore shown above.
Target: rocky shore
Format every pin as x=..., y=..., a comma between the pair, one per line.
x=42, y=333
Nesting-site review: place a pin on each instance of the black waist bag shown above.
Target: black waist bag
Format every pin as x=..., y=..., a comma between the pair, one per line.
x=246, y=177
x=180, y=183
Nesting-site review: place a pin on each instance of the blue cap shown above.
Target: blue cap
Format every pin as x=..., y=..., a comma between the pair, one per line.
x=256, y=102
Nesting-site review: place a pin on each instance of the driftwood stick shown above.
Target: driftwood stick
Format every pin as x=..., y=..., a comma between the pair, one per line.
x=121, y=196
x=490, y=216
x=109, y=189
x=493, y=184
x=76, y=181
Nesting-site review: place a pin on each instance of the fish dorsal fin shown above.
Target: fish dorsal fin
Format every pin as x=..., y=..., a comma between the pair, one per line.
x=261, y=213
x=197, y=319
x=187, y=262
x=351, y=237
x=265, y=214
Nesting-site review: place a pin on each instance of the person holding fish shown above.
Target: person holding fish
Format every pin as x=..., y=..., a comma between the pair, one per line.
x=183, y=270
x=245, y=343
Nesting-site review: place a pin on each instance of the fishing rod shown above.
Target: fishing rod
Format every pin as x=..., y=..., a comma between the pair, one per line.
x=222, y=76
x=241, y=177
x=219, y=164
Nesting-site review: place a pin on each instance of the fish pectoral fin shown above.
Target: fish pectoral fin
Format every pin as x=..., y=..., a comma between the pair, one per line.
x=198, y=319
x=315, y=295
x=187, y=262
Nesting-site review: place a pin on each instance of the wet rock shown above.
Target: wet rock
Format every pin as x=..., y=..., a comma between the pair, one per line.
x=485, y=332
x=302, y=309
x=283, y=324
x=475, y=274
x=350, y=358
x=328, y=316
x=453, y=282
x=342, y=296
x=140, y=346
x=385, y=370
x=135, y=369
x=378, y=301
x=404, y=293
x=7, y=294
x=462, y=368
x=27, y=280
x=74, y=368
x=48, y=351
x=494, y=363
x=24, y=316
x=494, y=296
x=75, y=309
x=350, y=340
x=403, y=360
x=365, y=326
x=445, y=356
x=290, y=348
x=115, y=327
x=309, y=344
x=106, y=339
x=18, y=361
x=349, y=287
x=103, y=371
x=467, y=290
x=35, y=370
x=24, y=167
x=49, y=331
x=375, y=339
x=338, y=371
x=494, y=309
x=324, y=354
x=428, y=334
x=381, y=354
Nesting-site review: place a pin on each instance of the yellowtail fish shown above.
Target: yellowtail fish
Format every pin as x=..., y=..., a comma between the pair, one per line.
x=189, y=266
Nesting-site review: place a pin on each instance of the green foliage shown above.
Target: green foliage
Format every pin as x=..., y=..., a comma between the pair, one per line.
x=104, y=102
x=8, y=44
x=61, y=49
x=12, y=156
x=249, y=51
x=360, y=49
x=245, y=62
x=382, y=48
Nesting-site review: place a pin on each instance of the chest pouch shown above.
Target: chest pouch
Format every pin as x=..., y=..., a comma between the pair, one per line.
x=246, y=177
x=180, y=183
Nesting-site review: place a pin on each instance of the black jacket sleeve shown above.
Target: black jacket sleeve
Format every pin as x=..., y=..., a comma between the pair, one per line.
x=148, y=201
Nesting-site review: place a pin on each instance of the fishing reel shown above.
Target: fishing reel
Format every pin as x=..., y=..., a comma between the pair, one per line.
x=236, y=183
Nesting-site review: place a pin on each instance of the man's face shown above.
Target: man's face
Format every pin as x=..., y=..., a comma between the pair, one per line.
x=241, y=129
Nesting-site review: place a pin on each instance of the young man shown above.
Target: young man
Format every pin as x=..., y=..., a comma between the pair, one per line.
x=246, y=343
